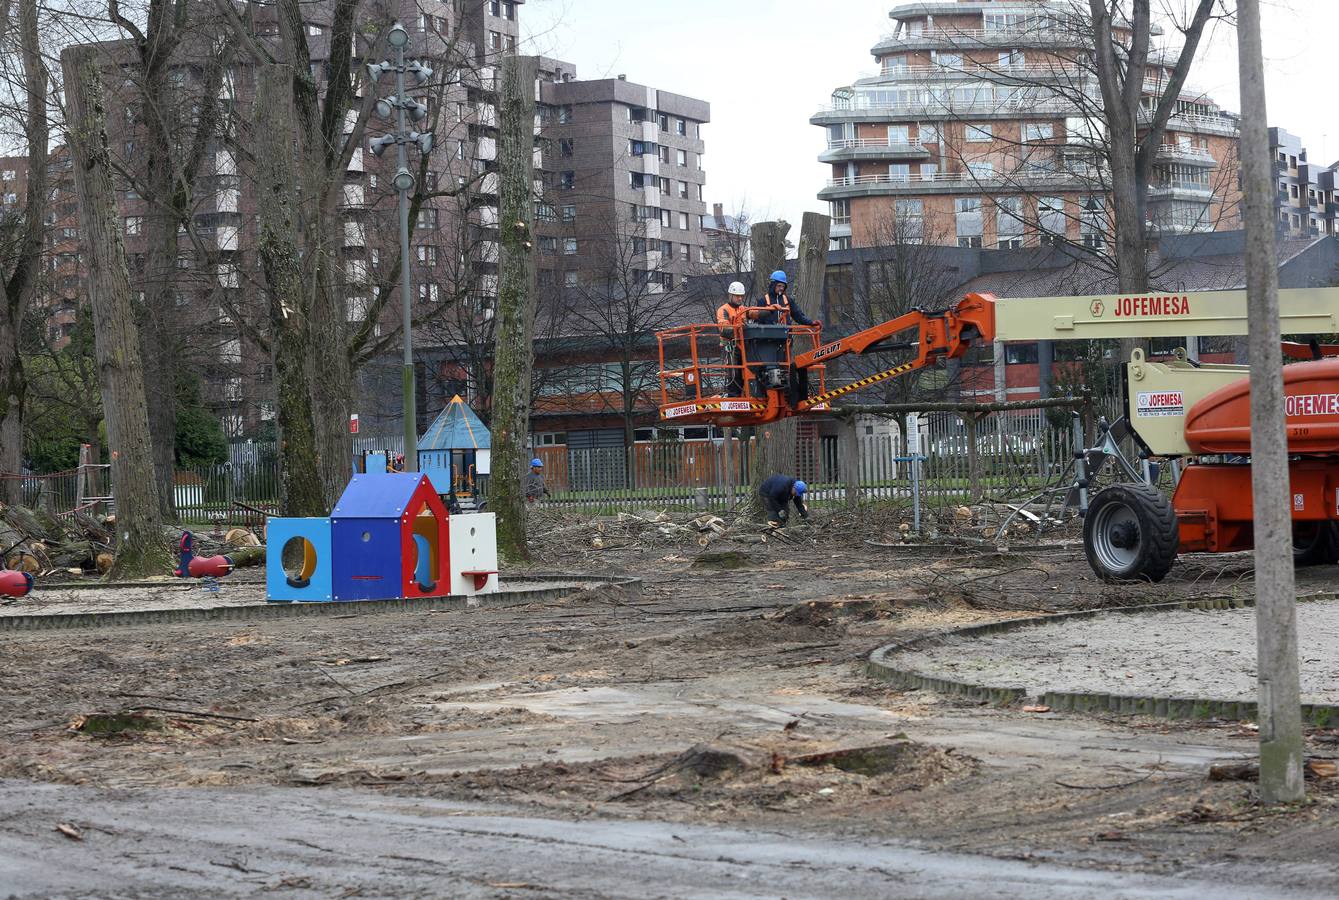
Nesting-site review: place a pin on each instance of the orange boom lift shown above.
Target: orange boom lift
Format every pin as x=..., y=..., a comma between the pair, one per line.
x=1192, y=412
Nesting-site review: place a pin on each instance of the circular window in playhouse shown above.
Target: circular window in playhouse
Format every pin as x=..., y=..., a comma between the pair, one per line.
x=367, y=536
x=299, y=561
x=471, y=531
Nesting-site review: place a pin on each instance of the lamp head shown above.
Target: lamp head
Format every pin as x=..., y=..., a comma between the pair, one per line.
x=397, y=36
x=403, y=180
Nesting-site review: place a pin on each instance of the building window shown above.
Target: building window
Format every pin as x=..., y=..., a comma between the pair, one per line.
x=639, y=180
x=663, y=121
x=899, y=134
x=427, y=218
x=909, y=221
x=548, y=245
x=664, y=154
x=495, y=40
x=683, y=190
x=567, y=180
x=929, y=134
x=981, y=170
x=569, y=279
x=978, y=134
x=569, y=213
x=664, y=185
x=566, y=148
x=684, y=251
x=667, y=249
x=429, y=293
x=564, y=115
x=1038, y=131
x=840, y=211
x=899, y=172
x=681, y=127
x=569, y=246
x=495, y=8
x=134, y=224
x=666, y=219
x=929, y=171
x=683, y=221
x=681, y=157
x=509, y=9
x=427, y=255
x=967, y=219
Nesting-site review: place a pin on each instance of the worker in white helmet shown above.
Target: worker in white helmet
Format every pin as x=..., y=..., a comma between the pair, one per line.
x=730, y=316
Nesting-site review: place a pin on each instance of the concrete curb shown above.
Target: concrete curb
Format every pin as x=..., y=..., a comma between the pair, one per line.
x=881, y=665
x=265, y=611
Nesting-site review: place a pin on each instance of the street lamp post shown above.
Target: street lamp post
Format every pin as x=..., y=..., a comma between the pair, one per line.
x=402, y=107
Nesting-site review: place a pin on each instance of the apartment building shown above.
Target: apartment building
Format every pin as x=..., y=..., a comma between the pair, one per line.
x=62, y=283
x=623, y=177
x=972, y=131
x=216, y=268
x=1308, y=195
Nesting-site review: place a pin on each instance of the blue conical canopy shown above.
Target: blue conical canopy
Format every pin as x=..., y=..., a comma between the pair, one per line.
x=456, y=428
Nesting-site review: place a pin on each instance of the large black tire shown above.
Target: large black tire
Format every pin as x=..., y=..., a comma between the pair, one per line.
x=1315, y=544
x=1130, y=533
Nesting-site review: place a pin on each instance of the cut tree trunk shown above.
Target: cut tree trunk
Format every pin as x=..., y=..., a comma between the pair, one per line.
x=140, y=547
x=514, y=353
x=773, y=446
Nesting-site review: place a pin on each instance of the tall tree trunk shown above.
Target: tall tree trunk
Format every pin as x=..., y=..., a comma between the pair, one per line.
x=513, y=359
x=290, y=311
x=18, y=283
x=773, y=445
x=141, y=549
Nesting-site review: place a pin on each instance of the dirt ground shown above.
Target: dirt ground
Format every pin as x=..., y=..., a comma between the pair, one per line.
x=708, y=697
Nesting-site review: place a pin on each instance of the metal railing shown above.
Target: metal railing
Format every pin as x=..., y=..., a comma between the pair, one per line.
x=1176, y=151
x=892, y=146
x=994, y=178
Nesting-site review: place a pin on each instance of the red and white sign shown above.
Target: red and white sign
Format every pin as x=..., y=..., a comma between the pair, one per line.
x=1160, y=403
x=1151, y=307
x=1311, y=405
x=675, y=412
x=353, y=424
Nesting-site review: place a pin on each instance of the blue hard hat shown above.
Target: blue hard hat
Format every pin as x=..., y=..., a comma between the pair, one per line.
x=780, y=276
x=537, y=462
x=801, y=487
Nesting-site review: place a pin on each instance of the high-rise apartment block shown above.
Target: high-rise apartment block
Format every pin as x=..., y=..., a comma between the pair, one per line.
x=623, y=183
x=978, y=129
x=1308, y=194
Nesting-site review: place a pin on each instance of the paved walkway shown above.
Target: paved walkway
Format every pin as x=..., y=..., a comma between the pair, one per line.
x=1180, y=653
x=326, y=843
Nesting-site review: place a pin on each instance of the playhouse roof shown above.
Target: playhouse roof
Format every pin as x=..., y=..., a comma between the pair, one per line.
x=456, y=428
x=379, y=495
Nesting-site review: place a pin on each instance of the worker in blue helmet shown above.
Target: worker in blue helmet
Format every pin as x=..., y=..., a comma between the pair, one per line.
x=534, y=482
x=777, y=493
x=786, y=311
x=778, y=295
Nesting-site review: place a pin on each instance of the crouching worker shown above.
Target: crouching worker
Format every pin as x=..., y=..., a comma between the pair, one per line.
x=777, y=493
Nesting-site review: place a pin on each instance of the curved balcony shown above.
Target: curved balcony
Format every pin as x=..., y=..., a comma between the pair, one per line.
x=883, y=184
x=1012, y=108
x=1189, y=156
x=872, y=148
x=1029, y=35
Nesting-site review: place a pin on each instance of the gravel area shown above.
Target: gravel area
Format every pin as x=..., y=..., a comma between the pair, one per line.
x=1182, y=653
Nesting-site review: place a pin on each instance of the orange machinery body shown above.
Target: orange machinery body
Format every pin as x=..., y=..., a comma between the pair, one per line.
x=1213, y=500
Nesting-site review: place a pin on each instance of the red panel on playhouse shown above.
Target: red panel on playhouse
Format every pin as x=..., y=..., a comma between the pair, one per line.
x=389, y=539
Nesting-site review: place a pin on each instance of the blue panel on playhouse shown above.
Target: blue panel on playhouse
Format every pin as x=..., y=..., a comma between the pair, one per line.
x=312, y=579
x=377, y=496
x=375, y=463
x=368, y=558
x=436, y=464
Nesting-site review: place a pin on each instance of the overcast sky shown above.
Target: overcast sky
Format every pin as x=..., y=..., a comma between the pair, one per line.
x=767, y=65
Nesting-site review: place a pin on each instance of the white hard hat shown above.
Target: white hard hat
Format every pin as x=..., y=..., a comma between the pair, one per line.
x=736, y=288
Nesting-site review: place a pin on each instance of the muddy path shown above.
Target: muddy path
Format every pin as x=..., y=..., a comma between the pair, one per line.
x=590, y=707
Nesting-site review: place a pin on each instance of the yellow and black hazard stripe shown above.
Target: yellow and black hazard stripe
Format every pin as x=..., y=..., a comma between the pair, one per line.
x=716, y=406
x=857, y=385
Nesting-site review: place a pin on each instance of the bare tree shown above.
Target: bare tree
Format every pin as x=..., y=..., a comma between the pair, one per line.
x=140, y=547
x=627, y=296
x=21, y=239
x=514, y=357
x=905, y=272
x=1118, y=97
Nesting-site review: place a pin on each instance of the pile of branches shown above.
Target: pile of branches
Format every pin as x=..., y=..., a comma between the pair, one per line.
x=36, y=542
x=628, y=530
x=41, y=544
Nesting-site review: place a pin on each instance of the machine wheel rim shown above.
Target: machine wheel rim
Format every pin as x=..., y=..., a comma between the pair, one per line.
x=1113, y=519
